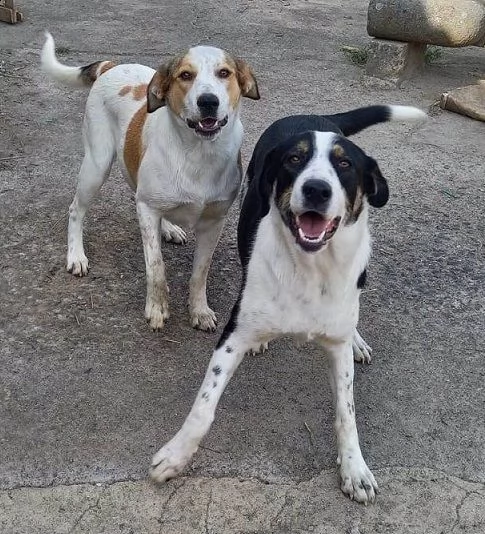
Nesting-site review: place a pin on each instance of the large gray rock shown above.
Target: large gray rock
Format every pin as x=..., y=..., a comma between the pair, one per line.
x=438, y=22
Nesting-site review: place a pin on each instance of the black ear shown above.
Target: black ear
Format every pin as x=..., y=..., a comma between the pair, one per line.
x=375, y=185
x=267, y=175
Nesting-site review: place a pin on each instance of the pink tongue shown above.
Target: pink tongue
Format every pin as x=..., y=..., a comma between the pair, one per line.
x=208, y=123
x=312, y=224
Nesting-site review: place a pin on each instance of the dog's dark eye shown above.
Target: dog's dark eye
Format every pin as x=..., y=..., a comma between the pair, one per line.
x=186, y=76
x=344, y=164
x=294, y=158
x=224, y=73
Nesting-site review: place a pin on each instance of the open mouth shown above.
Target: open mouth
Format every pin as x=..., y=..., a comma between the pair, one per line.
x=207, y=127
x=312, y=230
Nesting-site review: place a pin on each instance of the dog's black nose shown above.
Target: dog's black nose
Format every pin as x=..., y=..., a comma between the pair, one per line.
x=208, y=103
x=317, y=192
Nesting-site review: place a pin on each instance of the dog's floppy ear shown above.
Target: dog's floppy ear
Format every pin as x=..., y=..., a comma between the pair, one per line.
x=267, y=175
x=158, y=87
x=247, y=81
x=375, y=185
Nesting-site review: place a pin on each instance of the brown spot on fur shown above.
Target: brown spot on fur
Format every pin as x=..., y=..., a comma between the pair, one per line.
x=284, y=200
x=179, y=88
x=124, y=90
x=105, y=66
x=303, y=146
x=90, y=73
x=338, y=151
x=140, y=91
x=133, y=150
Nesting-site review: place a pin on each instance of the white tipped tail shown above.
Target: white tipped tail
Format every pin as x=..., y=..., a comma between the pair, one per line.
x=70, y=76
x=406, y=113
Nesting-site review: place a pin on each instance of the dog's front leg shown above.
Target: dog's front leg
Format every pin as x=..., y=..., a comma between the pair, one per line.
x=176, y=454
x=156, y=308
x=207, y=233
x=357, y=480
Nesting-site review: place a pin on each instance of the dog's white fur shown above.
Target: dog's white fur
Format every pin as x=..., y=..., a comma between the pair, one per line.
x=182, y=179
x=309, y=296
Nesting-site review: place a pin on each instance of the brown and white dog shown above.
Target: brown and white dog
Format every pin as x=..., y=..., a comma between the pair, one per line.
x=176, y=133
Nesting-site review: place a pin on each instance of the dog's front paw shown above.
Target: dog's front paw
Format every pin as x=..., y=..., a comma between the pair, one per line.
x=357, y=480
x=203, y=319
x=156, y=314
x=173, y=233
x=78, y=264
x=362, y=351
x=170, y=460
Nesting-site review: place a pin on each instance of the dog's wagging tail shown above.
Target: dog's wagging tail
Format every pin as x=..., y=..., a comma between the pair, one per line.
x=70, y=76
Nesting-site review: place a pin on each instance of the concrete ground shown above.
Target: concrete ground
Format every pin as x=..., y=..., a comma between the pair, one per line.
x=88, y=393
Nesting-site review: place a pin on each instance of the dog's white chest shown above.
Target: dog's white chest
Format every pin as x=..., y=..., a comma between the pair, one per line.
x=184, y=183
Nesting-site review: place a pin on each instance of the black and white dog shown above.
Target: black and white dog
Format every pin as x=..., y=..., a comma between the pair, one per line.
x=304, y=245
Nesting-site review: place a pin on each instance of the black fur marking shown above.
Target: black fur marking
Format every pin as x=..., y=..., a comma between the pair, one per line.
x=214, y=384
x=88, y=73
x=205, y=396
x=216, y=370
x=362, y=279
x=228, y=349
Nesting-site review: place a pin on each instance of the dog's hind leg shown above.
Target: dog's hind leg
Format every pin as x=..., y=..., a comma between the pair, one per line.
x=176, y=454
x=357, y=481
x=207, y=233
x=173, y=233
x=99, y=153
x=362, y=351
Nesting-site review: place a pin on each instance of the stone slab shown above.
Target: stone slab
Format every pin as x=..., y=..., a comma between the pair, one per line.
x=395, y=60
x=438, y=22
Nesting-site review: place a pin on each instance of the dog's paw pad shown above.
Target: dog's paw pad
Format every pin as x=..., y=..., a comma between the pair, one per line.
x=156, y=315
x=358, y=482
x=173, y=233
x=204, y=319
x=78, y=266
x=362, y=351
x=168, y=462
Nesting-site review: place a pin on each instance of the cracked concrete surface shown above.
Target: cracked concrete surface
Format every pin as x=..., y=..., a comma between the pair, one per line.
x=88, y=393
x=412, y=501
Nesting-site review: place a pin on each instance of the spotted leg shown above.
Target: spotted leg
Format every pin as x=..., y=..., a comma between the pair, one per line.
x=176, y=454
x=357, y=481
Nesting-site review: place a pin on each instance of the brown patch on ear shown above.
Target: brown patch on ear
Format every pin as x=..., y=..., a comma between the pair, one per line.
x=124, y=90
x=160, y=86
x=133, y=150
x=140, y=91
x=247, y=81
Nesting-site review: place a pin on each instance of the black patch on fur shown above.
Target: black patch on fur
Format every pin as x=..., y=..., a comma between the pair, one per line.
x=214, y=384
x=216, y=370
x=362, y=279
x=228, y=349
x=88, y=73
x=205, y=396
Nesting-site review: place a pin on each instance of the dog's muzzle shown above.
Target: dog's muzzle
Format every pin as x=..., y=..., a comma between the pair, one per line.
x=207, y=127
